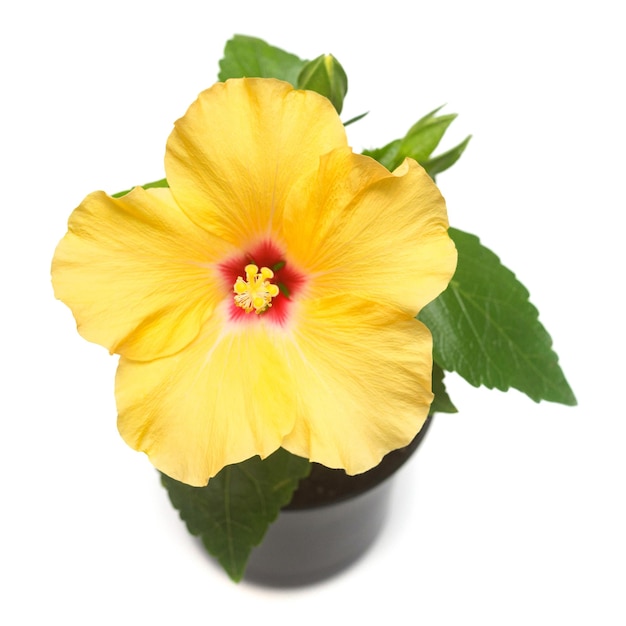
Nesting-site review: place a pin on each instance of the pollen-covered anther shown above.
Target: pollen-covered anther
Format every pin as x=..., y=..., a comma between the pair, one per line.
x=255, y=292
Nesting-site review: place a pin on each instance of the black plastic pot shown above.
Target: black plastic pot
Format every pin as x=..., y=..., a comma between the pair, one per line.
x=331, y=521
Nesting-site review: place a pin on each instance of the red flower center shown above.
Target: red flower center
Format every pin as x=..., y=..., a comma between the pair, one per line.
x=286, y=278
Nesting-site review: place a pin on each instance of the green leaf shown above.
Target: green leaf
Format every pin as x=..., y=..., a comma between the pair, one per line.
x=233, y=512
x=157, y=183
x=253, y=57
x=326, y=76
x=442, y=402
x=392, y=154
x=442, y=162
x=485, y=328
x=419, y=143
x=387, y=155
x=424, y=136
x=356, y=118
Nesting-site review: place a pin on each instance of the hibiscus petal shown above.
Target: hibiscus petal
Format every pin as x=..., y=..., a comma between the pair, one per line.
x=221, y=400
x=379, y=235
x=137, y=273
x=363, y=375
x=233, y=157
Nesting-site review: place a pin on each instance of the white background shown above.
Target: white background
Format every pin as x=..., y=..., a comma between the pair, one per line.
x=512, y=512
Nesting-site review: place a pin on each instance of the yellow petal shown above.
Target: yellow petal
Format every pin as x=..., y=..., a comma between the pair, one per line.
x=379, y=235
x=363, y=375
x=137, y=273
x=241, y=146
x=223, y=399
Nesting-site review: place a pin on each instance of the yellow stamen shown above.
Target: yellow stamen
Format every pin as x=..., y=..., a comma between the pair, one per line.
x=255, y=293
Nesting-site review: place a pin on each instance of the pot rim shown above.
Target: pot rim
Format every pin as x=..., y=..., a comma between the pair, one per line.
x=325, y=486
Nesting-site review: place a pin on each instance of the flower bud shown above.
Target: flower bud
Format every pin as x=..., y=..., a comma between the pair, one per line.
x=325, y=76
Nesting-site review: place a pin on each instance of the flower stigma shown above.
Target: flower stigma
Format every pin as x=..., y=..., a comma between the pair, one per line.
x=255, y=293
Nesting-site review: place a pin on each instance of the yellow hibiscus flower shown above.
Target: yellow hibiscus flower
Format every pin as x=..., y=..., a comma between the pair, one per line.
x=268, y=297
